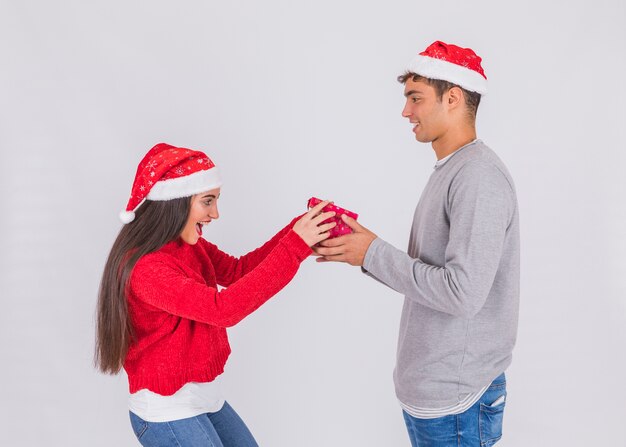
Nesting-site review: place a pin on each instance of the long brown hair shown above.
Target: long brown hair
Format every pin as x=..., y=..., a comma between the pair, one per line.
x=156, y=223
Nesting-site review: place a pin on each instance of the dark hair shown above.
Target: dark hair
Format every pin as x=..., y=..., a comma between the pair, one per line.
x=156, y=223
x=472, y=99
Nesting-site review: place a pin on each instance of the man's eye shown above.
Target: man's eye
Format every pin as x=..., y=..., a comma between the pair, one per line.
x=415, y=100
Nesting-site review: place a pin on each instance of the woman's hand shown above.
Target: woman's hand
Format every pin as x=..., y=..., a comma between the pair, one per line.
x=310, y=228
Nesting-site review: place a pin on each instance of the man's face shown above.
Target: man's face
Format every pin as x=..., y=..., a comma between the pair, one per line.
x=425, y=111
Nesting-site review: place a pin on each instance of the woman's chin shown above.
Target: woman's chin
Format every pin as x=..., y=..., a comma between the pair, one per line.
x=190, y=239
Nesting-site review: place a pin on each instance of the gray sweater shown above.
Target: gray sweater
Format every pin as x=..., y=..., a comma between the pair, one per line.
x=460, y=279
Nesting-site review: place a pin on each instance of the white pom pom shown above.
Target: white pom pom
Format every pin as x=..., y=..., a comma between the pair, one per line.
x=127, y=216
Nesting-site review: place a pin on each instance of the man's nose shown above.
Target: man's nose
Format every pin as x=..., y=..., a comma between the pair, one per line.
x=406, y=113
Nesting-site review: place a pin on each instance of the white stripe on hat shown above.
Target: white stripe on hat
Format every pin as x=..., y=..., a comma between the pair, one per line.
x=433, y=68
x=186, y=186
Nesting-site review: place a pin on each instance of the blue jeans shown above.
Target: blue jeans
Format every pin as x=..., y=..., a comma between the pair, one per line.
x=222, y=429
x=478, y=426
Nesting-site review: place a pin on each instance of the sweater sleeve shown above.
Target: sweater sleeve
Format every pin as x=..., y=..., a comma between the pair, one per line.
x=481, y=204
x=163, y=285
x=229, y=269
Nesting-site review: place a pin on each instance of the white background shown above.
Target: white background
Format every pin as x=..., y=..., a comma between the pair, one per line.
x=293, y=99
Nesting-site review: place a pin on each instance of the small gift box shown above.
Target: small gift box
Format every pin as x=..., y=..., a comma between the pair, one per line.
x=341, y=228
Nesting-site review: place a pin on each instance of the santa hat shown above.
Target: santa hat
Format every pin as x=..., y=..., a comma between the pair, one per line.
x=460, y=66
x=168, y=172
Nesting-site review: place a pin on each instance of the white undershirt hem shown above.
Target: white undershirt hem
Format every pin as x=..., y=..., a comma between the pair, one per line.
x=191, y=400
x=432, y=413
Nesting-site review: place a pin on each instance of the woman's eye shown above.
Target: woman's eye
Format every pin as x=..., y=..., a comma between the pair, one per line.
x=208, y=202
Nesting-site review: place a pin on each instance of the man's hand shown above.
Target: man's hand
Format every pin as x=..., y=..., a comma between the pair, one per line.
x=350, y=248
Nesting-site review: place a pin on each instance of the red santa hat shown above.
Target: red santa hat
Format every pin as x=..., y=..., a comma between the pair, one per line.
x=168, y=172
x=460, y=66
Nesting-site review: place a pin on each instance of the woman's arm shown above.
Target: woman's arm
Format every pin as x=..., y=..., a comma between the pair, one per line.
x=229, y=269
x=157, y=281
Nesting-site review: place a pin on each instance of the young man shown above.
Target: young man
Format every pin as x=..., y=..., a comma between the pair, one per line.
x=460, y=276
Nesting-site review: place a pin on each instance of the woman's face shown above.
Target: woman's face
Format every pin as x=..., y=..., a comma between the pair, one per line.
x=203, y=210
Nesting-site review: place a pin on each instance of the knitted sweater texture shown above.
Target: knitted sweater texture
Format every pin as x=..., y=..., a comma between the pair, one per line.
x=179, y=315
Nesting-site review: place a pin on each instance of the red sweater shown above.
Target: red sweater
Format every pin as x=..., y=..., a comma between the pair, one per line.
x=179, y=316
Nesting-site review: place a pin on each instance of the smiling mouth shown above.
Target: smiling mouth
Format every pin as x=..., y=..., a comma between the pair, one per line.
x=199, y=226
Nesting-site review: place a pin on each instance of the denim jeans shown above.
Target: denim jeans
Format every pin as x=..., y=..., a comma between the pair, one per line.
x=222, y=429
x=478, y=426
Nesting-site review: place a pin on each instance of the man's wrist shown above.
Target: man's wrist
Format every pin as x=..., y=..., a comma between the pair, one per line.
x=369, y=253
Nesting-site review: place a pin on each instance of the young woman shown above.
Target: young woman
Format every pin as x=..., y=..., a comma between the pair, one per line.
x=160, y=313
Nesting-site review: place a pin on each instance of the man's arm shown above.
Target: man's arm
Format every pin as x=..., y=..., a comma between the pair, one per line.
x=481, y=203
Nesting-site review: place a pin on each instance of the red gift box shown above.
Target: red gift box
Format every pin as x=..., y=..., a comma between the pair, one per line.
x=341, y=228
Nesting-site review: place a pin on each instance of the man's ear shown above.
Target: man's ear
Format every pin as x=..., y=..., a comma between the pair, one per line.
x=455, y=97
